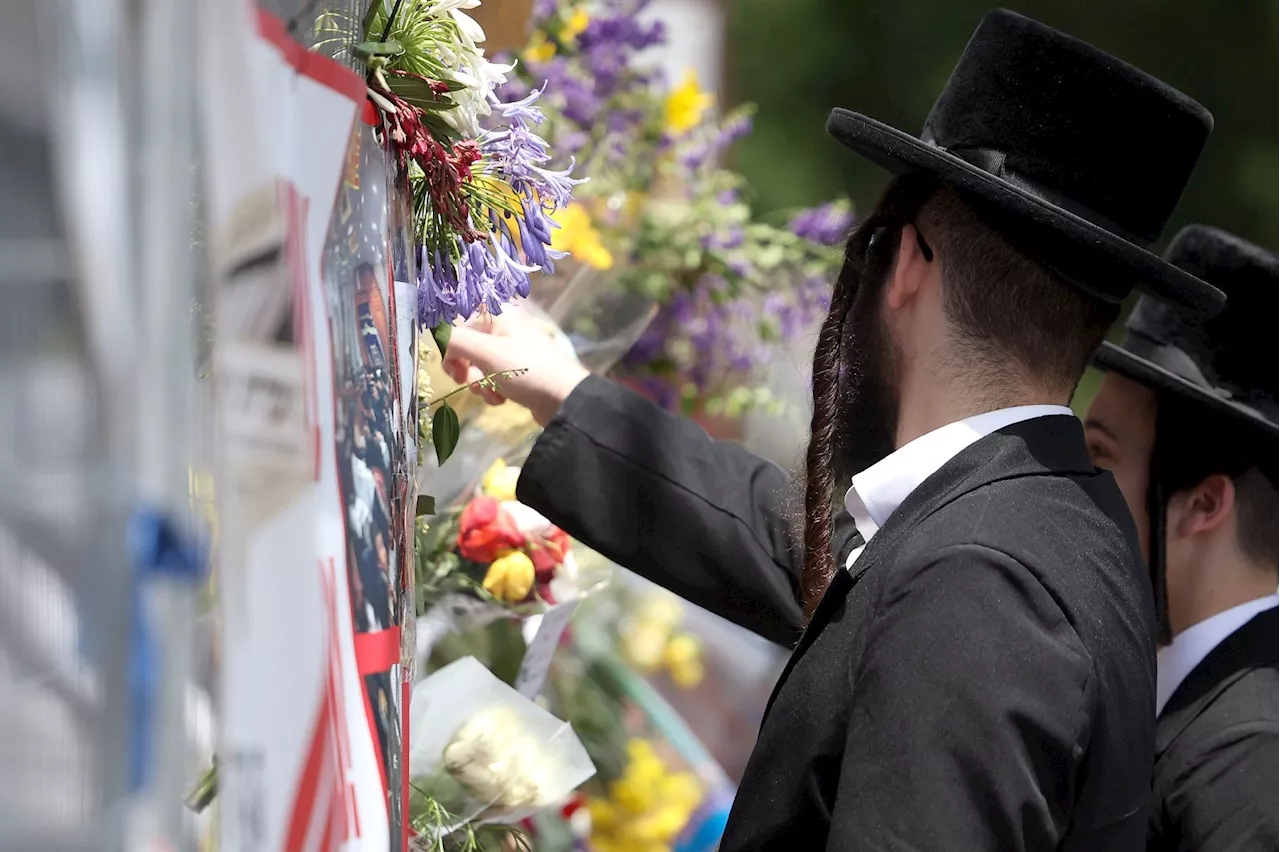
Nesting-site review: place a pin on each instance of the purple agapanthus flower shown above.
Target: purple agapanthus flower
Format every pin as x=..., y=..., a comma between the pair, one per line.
x=523, y=109
x=520, y=156
x=454, y=285
x=829, y=224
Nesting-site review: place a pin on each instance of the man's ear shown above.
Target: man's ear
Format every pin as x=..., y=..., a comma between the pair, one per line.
x=1207, y=505
x=910, y=270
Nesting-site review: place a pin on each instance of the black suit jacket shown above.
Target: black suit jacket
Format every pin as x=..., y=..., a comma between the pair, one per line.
x=983, y=679
x=1215, y=785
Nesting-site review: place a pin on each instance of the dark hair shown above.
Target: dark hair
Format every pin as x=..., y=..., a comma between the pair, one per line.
x=866, y=260
x=1017, y=321
x=1257, y=507
x=1194, y=442
x=1014, y=319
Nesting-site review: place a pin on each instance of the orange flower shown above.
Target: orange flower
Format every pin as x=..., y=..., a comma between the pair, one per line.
x=486, y=531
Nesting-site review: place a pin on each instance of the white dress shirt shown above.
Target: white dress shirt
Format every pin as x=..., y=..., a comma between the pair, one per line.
x=878, y=491
x=1189, y=648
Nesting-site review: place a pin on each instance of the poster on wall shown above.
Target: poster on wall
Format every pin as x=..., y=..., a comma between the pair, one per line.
x=315, y=470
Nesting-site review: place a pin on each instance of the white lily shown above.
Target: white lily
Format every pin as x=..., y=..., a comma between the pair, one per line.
x=444, y=7
x=468, y=27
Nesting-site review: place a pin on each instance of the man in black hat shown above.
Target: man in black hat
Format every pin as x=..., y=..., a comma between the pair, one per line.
x=1186, y=420
x=977, y=668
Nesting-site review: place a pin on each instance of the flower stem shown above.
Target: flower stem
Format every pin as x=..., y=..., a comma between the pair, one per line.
x=482, y=382
x=391, y=19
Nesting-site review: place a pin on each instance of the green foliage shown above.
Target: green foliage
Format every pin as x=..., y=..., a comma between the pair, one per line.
x=432, y=820
x=441, y=334
x=445, y=430
x=890, y=58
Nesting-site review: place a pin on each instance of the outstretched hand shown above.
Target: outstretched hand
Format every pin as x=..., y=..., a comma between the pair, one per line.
x=514, y=341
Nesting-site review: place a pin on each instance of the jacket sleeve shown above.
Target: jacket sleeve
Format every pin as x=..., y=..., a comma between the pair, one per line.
x=652, y=492
x=1225, y=796
x=970, y=712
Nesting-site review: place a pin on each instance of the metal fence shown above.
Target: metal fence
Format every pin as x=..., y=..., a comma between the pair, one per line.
x=97, y=386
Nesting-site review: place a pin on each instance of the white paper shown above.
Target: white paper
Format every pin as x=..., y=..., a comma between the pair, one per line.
x=542, y=636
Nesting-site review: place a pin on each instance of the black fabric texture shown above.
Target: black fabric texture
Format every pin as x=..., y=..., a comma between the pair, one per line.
x=1227, y=364
x=1215, y=784
x=982, y=679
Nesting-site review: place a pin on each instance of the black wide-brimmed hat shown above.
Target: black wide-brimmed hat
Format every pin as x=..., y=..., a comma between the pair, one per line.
x=1227, y=363
x=1082, y=156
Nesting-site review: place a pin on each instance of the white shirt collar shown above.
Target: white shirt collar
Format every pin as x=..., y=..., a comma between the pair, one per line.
x=1189, y=648
x=878, y=491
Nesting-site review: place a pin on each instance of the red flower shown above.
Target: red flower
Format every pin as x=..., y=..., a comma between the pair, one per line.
x=575, y=801
x=446, y=169
x=486, y=531
x=548, y=553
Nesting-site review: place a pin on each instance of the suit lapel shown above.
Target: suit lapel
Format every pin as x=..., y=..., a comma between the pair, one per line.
x=1252, y=646
x=1043, y=445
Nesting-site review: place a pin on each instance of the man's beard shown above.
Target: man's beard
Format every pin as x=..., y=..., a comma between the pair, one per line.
x=867, y=390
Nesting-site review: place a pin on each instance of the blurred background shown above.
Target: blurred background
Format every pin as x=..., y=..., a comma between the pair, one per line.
x=890, y=58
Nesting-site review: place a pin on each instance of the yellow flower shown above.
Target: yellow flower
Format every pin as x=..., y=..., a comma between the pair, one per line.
x=575, y=24
x=660, y=825
x=683, y=659
x=539, y=48
x=500, y=481
x=682, y=788
x=579, y=237
x=603, y=815
x=647, y=807
x=644, y=643
x=661, y=608
x=510, y=577
x=686, y=104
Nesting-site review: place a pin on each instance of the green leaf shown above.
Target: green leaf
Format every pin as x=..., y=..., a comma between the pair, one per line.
x=441, y=334
x=391, y=47
x=205, y=792
x=419, y=94
x=445, y=430
x=432, y=106
x=426, y=505
x=439, y=128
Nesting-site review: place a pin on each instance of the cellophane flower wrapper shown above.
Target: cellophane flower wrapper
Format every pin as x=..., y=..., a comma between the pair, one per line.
x=657, y=782
x=487, y=753
x=602, y=318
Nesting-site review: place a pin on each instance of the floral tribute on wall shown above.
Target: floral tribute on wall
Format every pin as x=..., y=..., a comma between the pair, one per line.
x=497, y=550
x=483, y=199
x=665, y=216
x=484, y=193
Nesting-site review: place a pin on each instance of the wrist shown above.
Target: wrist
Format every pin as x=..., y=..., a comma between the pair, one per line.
x=549, y=403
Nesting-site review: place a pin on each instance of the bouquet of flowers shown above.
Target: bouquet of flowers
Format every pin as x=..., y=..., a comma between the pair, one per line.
x=481, y=750
x=664, y=217
x=656, y=787
x=482, y=198
x=500, y=551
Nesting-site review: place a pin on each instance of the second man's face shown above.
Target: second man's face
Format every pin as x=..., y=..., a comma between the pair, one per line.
x=1120, y=428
